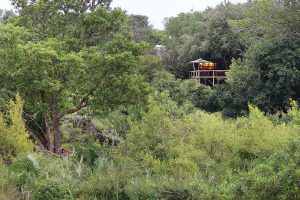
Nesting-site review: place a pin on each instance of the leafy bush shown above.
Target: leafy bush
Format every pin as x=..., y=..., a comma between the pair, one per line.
x=51, y=191
x=14, y=139
x=25, y=171
x=107, y=181
x=276, y=177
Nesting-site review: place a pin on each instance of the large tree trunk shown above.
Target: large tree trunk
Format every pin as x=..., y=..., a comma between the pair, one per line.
x=49, y=145
x=56, y=132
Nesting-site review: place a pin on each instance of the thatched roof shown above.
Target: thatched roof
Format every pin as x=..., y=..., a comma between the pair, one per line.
x=200, y=60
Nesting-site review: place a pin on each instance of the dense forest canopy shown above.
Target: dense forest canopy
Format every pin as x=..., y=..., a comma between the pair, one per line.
x=95, y=103
x=257, y=37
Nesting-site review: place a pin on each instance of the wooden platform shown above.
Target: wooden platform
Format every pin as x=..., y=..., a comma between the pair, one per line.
x=209, y=77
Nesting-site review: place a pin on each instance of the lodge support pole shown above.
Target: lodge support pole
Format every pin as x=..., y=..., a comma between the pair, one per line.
x=213, y=78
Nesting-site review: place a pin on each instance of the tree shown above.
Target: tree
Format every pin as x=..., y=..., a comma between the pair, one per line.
x=179, y=41
x=202, y=34
x=14, y=139
x=69, y=55
x=149, y=66
x=140, y=27
x=266, y=19
x=268, y=77
x=144, y=32
x=5, y=15
x=269, y=74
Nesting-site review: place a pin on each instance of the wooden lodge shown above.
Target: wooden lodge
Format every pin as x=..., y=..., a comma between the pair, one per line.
x=207, y=72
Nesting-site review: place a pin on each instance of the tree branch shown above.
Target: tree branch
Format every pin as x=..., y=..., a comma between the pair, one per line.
x=82, y=103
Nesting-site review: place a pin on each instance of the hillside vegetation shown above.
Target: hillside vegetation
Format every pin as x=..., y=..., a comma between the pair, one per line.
x=90, y=109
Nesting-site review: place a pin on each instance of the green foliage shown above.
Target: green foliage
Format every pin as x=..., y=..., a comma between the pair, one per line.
x=266, y=19
x=207, y=98
x=200, y=145
x=179, y=155
x=69, y=56
x=115, y=121
x=84, y=143
x=185, y=23
x=14, y=142
x=52, y=191
x=259, y=21
x=276, y=177
x=7, y=185
x=47, y=177
x=24, y=172
x=263, y=132
x=149, y=66
x=38, y=85
x=294, y=114
x=71, y=21
x=107, y=181
x=268, y=77
x=6, y=15
x=202, y=34
x=143, y=31
x=182, y=92
x=63, y=56
x=14, y=139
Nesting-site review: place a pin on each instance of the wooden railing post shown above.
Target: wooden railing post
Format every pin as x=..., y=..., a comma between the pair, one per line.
x=213, y=78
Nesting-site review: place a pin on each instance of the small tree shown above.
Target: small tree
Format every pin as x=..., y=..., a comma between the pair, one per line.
x=268, y=78
x=14, y=139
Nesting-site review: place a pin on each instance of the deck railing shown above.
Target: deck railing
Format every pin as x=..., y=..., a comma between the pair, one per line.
x=207, y=77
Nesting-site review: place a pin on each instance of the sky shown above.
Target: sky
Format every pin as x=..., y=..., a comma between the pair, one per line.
x=156, y=10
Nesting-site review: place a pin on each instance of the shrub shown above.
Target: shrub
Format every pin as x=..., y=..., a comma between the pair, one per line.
x=14, y=139
x=52, y=191
x=7, y=185
x=171, y=154
x=276, y=177
x=25, y=171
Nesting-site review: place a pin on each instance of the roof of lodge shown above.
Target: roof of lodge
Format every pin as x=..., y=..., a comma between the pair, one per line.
x=200, y=60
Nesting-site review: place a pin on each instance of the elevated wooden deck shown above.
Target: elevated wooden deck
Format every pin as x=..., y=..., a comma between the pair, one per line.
x=209, y=77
